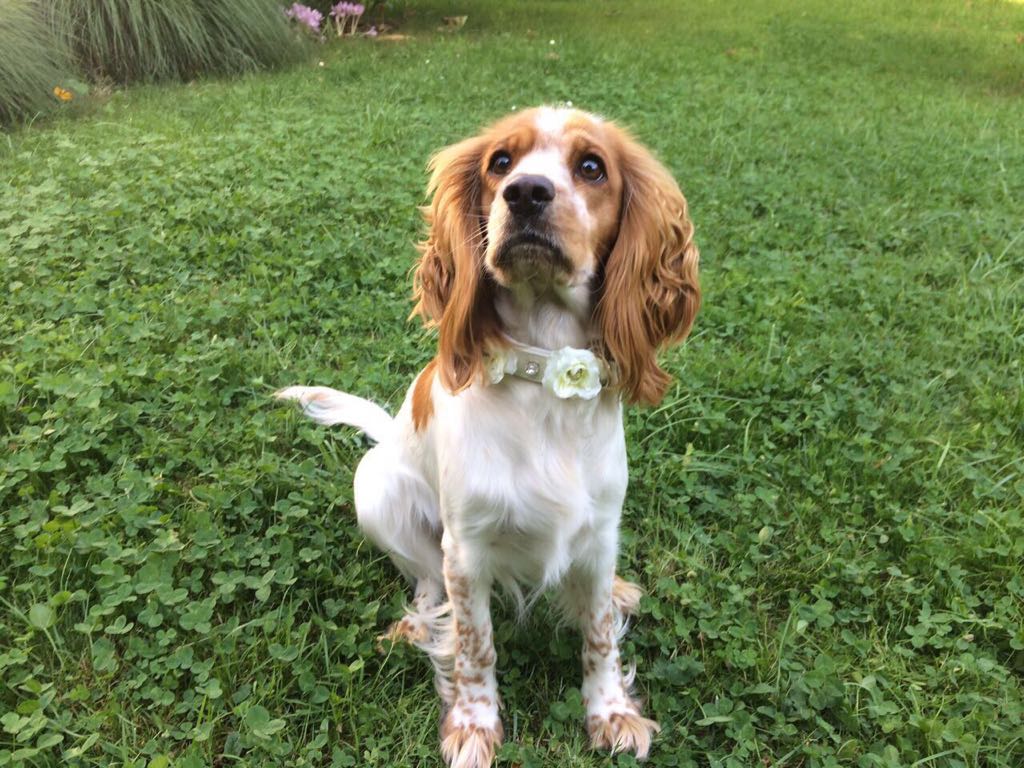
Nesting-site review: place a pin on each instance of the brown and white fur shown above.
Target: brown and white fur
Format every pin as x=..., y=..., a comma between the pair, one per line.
x=556, y=228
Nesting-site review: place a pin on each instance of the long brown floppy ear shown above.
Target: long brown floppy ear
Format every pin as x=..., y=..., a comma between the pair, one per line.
x=449, y=286
x=650, y=293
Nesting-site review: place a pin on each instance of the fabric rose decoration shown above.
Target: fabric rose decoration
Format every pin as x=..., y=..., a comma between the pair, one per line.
x=573, y=373
x=500, y=362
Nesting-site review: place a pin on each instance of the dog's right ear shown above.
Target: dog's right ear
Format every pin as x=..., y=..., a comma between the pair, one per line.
x=651, y=291
x=449, y=286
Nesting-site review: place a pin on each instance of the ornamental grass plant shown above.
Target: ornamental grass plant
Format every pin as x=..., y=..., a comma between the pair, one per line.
x=31, y=61
x=147, y=40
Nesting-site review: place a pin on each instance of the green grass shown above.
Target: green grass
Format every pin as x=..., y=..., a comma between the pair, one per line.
x=826, y=511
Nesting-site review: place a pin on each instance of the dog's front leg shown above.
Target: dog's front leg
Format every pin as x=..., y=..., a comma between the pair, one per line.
x=471, y=728
x=614, y=720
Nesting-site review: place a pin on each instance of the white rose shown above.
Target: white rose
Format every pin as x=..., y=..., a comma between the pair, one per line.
x=500, y=362
x=573, y=373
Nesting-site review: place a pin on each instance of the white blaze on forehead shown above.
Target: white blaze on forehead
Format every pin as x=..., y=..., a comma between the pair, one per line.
x=551, y=123
x=549, y=154
x=547, y=158
x=545, y=161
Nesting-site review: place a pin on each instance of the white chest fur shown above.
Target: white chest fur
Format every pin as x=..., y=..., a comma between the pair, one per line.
x=530, y=494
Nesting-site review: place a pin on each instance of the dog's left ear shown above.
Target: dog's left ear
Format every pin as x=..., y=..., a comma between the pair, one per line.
x=449, y=286
x=650, y=293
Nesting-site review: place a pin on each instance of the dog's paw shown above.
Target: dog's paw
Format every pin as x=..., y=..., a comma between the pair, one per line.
x=622, y=731
x=625, y=596
x=467, y=745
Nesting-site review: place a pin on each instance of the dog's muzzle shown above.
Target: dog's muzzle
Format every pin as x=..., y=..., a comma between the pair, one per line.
x=529, y=248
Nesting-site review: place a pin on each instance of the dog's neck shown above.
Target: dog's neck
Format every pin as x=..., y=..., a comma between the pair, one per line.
x=549, y=318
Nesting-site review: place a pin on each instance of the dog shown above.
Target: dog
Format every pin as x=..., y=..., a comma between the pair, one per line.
x=559, y=259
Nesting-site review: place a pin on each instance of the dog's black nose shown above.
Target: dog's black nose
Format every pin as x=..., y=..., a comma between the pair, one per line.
x=528, y=195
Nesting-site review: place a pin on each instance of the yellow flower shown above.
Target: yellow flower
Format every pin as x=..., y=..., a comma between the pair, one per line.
x=63, y=93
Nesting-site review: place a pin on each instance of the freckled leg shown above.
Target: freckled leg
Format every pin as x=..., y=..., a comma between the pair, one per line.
x=471, y=728
x=614, y=722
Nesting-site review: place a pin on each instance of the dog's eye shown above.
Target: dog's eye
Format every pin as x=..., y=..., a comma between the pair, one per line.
x=501, y=163
x=591, y=168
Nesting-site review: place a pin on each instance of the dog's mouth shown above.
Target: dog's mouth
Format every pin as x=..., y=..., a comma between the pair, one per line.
x=531, y=250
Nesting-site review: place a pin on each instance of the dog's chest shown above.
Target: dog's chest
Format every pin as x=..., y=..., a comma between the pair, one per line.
x=541, y=489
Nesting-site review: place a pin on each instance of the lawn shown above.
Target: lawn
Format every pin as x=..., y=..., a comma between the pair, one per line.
x=825, y=512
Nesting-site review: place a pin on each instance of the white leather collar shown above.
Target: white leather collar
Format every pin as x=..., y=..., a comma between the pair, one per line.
x=566, y=372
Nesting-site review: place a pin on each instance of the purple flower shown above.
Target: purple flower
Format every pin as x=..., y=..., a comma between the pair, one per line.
x=305, y=15
x=343, y=9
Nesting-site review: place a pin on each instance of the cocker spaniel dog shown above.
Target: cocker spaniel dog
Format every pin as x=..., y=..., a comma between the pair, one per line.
x=559, y=259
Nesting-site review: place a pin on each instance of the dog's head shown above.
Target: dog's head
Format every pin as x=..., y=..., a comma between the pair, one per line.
x=554, y=199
